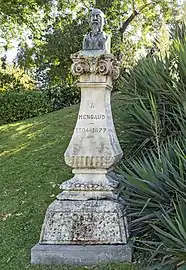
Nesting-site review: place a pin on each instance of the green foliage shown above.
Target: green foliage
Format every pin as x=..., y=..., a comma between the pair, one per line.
x=154, y=181
x=152, y=185
x=154, y=105
x=32, y=168
x=64, y=24
x=16, y=106
x=53, y=56
x=173, y=237
x=18, y=18
x=154, y=176
x=62, y=96
x=19, y=98
x=19, y=11
x=15, y=79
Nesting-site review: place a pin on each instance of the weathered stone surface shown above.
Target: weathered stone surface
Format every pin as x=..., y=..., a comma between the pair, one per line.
x=88, y=63
x=80, y=254
x=96, y=39
x=94, y=148
x=94, y=143
x=90, y=184
x=85, y=222
x=91, y=180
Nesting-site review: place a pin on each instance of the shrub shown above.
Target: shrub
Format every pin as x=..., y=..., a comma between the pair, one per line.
x=172, y=238
x=15, y=79
x=154, y=106
x=152, y=184
x=16, y=106
x=62, y=96
x=154, y=142
x=19, y=98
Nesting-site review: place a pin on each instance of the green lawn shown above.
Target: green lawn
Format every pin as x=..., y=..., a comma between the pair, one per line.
x=31, y=169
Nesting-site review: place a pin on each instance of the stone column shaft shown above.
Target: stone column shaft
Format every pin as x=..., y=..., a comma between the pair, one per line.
x=87, y=223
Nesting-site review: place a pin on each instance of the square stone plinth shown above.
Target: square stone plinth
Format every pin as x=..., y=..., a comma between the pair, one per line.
x=80, y=254
x=83, y=233
x=85, y=222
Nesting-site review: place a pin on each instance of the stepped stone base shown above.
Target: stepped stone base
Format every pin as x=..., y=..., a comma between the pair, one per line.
x=83, y=233
x=80, y=254
x=94, y=222
x=87, y=222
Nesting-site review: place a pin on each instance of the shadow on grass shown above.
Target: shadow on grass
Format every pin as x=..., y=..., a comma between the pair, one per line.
x=32, y=167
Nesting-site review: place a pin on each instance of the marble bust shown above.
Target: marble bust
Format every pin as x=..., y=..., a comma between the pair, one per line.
x=96, y=39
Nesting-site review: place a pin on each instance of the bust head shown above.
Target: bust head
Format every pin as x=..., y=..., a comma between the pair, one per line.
x=96, y=20
x=96, y=39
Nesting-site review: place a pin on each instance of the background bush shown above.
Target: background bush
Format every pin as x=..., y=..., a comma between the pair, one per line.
x=15, y=79
x=62, y=95
x=19, y=98
x=16, y=106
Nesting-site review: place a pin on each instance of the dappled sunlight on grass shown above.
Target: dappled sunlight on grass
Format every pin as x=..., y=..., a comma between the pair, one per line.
x=12, y=125
x=15, y=128
x=23, y=126
x=34, y=134
x=18, y=148
x=32, y=168
x=3, y=153
x=18, y=138
x=13, y=150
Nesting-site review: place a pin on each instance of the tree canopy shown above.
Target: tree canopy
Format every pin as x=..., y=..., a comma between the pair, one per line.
x=55, y=29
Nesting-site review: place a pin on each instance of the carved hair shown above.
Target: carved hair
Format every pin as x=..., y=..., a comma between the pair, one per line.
x=92, y=10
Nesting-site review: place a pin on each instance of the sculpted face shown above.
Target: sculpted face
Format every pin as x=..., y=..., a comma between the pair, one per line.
x=96, y=39
x=96, y=20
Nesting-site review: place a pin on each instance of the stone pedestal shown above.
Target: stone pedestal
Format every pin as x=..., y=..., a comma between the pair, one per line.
x=87, y=223
x=80, y=254
x=84, y=222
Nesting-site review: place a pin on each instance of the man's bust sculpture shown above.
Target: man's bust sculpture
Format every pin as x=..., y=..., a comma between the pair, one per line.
x=96, y=39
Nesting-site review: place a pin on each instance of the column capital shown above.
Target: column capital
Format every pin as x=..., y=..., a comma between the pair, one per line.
x=100, y=64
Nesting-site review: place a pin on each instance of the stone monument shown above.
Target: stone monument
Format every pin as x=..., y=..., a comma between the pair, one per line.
x=86, y=224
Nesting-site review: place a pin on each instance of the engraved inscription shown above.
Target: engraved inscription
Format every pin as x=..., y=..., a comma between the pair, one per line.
x=91, y=116
x=92, y=105
x=108, y=110
x=92, y=130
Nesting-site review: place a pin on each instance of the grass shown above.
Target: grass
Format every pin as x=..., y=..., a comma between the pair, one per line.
x=31, y=169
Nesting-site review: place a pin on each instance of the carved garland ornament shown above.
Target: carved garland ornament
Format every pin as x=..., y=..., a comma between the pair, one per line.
x=95, y=65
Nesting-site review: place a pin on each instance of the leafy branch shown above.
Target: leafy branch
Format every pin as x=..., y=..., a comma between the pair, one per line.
x=133, y=15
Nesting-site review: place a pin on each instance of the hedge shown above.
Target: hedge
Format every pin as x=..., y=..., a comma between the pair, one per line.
x=16, y=106
x=62, y=95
